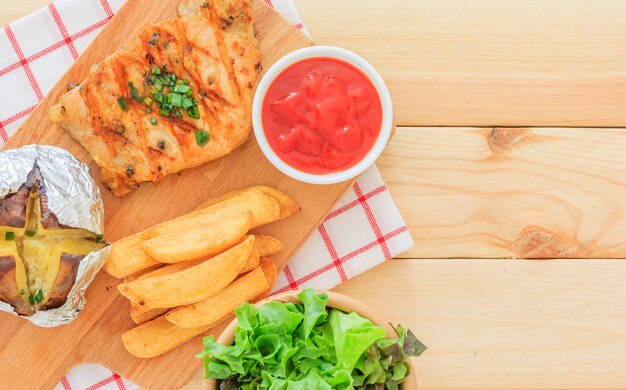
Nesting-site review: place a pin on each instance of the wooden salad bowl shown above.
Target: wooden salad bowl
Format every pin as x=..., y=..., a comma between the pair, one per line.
x=337, y=301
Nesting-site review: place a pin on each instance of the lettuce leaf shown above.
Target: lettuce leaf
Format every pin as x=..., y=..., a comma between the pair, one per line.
x=352, y=335
x=287, y=346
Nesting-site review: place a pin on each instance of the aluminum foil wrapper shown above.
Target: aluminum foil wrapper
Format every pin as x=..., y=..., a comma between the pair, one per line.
x=75, y=200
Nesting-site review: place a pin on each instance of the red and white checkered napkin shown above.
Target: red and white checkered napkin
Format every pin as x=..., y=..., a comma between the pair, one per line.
x=363, y=230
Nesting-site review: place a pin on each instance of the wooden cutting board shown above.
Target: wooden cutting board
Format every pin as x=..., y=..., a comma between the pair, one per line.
x=37, y=358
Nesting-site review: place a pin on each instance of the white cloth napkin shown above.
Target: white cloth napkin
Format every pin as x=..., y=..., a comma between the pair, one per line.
x=364, y=229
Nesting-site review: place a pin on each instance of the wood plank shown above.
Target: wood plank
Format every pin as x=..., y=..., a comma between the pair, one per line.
x=95, y=337
x=493, y=324
x=498, y=324
x=10, y=11
x=469, y=192
x=487, y=62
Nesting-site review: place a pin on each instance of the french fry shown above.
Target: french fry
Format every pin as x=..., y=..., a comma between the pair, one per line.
x=200, y=242
x=271, y=273
x=287, y=205
x=154, y=272
x=188, y=282
x=266, y=245
x=141, y=317
x=141, y=273
x=142, y=309
x=156, y=337
x=211, y=311
x=253, y=260
x=189, y=274
x=264, y=208
x=128, y=257
x=267, y=205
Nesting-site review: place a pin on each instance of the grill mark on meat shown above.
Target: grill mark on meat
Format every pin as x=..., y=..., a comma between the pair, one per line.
x=188, y=46
x=225, y=57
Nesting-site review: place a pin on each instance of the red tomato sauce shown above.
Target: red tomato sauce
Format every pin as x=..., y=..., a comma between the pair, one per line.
x=322, y=115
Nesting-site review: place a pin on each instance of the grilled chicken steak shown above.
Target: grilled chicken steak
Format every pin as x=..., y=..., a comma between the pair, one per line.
x=179, y=95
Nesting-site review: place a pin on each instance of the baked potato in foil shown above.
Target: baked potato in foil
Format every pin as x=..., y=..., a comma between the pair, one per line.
x=50, y=234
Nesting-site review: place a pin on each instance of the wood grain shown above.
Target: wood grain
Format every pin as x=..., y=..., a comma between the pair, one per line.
x=482, y=62
x=10, y=11
x=508, y=324
x=490, y=324
x=502, y=192
x=95, y=336
x=487, y=62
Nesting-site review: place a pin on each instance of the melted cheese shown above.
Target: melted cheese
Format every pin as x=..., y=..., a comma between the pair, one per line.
x=38, y=250
x=42, y=256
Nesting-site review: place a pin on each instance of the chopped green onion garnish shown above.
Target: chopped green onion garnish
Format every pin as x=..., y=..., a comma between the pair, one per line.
x=193, y=112
x=22, y=292
x=177, y=99
x=30, y=233
x=171, y=93
x=182, y=89
x=187, y=103
x=134, y=93
x=9, y=236
x=153, y=121
x=159, y=97
x=148, y=110
x=163, y=110
x=122, y=103
x=99, y=237
x=202, y=137
x=37, y=298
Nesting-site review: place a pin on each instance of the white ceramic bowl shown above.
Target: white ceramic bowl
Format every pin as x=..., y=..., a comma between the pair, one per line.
x=359, y=63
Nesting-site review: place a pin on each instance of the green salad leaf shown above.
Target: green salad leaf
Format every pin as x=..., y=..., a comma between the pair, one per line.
x=307, y=346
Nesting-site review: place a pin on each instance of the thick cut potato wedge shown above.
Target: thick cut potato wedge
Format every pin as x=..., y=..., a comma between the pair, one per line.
x=287, y=205
x=266, y=245
x=271, y=274
x=267, y=205
x=264, y=208
x=211, y=311
x=141, y=317
x=269, y=270
x=253, y=260
x=203, y=241
x=156, y=337
x=141, y=273
x=145, y=313
x=141, y=310
x=191, y=282
x=158, y=272
x=127, y=257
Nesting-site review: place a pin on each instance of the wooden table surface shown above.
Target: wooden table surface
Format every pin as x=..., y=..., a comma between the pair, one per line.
x=511, y=145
